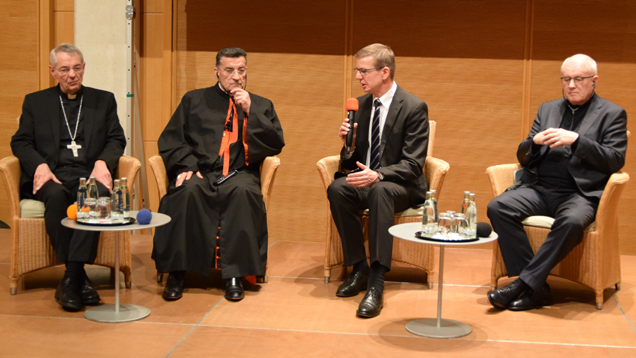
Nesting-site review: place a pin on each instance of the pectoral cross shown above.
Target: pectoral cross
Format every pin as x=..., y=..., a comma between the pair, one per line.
x=74, y=147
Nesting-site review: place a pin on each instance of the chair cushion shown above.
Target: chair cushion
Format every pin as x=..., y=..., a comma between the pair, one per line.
x=30, y=209
x=546, y=222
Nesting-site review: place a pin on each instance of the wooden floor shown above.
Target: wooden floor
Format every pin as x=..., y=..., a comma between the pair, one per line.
x=296, y=314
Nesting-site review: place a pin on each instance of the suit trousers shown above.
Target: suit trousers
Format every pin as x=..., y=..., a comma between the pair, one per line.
x=69, y=245
x=383, y=199
x=572, y=213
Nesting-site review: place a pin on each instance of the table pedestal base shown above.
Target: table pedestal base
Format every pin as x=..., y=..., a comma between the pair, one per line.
x=107, y=313
x=427, y=327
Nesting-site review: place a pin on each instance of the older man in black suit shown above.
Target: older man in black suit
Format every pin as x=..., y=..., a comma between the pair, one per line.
x=67, y=132
x=388, y=153
x=575, y=144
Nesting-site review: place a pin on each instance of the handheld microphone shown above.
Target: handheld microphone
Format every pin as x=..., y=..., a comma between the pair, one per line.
x=352, y=108
x=483, y=229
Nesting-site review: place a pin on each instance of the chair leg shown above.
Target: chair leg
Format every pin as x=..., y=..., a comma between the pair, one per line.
x=13, y=285
x=599, y=300
x=159, y=277
x=618, y=286
x=327, y=273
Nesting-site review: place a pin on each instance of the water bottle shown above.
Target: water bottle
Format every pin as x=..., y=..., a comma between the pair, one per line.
x=116, y=209
x=82, y=191
x=471, y=217
x=465, y=201
x=91, y=198
x=125, y=195
x=434, y=198
x=429, y=217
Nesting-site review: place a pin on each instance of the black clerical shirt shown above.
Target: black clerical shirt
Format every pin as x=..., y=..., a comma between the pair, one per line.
x=553, y=167
x=70, y=168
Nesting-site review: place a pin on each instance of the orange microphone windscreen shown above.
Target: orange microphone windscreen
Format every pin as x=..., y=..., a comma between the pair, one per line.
x=352, y=104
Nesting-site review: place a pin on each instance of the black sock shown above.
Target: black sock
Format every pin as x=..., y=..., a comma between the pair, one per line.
x=376, y=278
x=75, y=270
x=361, y=266
x=178, y=274
x=524, y=285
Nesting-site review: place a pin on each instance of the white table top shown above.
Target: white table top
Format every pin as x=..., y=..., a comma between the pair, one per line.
x=158, y=219
x=407, y=232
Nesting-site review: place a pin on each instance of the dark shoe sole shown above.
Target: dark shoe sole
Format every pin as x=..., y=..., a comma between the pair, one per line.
x=547, y=302
x=234, y=299
x=369, y=315
x=340, y=294
x=93, y=302
x=69, y=306
x=498, y=305
x=171, y=298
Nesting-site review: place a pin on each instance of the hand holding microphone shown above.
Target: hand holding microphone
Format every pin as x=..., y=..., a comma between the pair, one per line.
x=352, y=108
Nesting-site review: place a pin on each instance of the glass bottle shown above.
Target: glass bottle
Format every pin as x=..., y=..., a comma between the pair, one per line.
x=429, y=217
x=471, y=217
x=125, y=195
x=465, y=201
x=117, y=210
x=82, y=191
x=91, y=198
x=434, y=198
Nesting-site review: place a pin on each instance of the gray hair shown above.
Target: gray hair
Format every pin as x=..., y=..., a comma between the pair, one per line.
x=584, y=59
x=382, y=54
x=66, y=48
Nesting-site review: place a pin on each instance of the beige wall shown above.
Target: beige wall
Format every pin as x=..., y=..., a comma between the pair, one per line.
x=30, y=30
x=483, y=67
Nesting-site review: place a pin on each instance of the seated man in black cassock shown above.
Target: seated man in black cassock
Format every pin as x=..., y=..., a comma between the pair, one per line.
x=213, y=148
x=575, y=144
x=67, y=132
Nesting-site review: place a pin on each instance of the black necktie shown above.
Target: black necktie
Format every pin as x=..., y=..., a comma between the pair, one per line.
x=375, y=136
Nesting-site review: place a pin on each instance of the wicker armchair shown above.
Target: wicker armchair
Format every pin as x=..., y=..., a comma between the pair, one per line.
x=417, y=255
x=268, y=173
x=595, y=262
x=30, y=246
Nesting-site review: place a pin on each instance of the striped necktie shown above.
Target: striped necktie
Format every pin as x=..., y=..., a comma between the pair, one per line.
x=375, y=136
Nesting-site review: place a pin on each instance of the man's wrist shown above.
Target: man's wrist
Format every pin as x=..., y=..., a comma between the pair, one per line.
x=380, y=176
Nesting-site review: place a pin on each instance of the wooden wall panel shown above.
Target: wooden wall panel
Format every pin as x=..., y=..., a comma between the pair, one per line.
x=606, y=32
x=299, y=69
x=483, y=67
x=19, y=73
x=466, y=62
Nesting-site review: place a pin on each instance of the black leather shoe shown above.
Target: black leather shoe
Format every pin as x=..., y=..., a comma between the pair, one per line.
x=89, y=294
x=174, y=287
x=354, y=285
x=501, y=298
x=532, y=299
x=371, y=304
x=68, y=294
x=234, y=289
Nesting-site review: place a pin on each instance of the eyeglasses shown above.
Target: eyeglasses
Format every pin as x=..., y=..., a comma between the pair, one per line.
x=577, y=80
x=65, y=70
x=363, y=71
x=230, y=71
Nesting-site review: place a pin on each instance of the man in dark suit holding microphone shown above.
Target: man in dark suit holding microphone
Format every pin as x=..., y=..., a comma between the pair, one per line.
x=574, y=146
x=387, y=155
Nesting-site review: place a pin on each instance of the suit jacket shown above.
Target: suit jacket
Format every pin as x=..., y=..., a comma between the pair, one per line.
x=597, y=153
x=37, y=140
x=404, y=142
